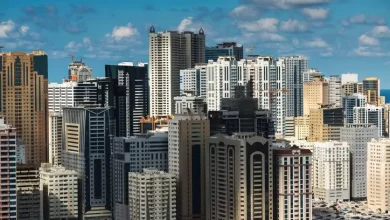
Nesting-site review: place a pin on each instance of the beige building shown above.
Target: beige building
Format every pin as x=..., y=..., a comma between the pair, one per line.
x=55, y=137
x=24, y=89
x=378, y=176
x=371, y=89
x=315, y=94
x=187, y=138
x=302, y=127
x=325, y=124
x=351, y=88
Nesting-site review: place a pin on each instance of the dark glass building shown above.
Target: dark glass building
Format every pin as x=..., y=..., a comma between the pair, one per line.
x=224, y=49
x=126, y=89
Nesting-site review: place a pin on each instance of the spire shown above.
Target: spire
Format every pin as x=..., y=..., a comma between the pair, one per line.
x=201, y=31
x=152, y=30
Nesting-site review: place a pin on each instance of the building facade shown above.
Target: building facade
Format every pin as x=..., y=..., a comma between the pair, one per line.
x=133, y=154
x=357, y=136
x=350, y=102
x=186, y=159
x=78, y=71
x=23, y=100
x=371, y=115
x=170, y=52
x=331, y=166
x=310, y=73
x=196, y=104
x=194, y=80
x=315, y=94
x=8, y=171
x=59, y=196
x=86, y=138
x=325, y=124
x=224, y=49
x=55, y=137
x=152, y=195
x=335, y=95
x=349, y=78
x=371, y=89
x=28, y=195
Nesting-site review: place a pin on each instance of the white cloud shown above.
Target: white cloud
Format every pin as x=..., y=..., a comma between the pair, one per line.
x=365, y=51
x=381, y=31
x=265, y=24
x=271, y=37
x=287, y=4
x=184, y=24
x=362, y=19
x=316, y=43
x=292, y=25
x=316, y=13
x=368, y=41
x=194, y=25
x=123, y=32
x=244, y=11
x=327, y=53
x=24, y=29
x=6, y=27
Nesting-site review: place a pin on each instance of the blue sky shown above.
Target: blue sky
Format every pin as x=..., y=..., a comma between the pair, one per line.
x=336, y=35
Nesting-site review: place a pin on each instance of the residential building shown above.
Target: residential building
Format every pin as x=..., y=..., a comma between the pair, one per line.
x=27, y=108
x=8, y=171
x=152, y=195
x=170, y=52
x=349, y=78
x=315, y=94
x=294, y=201
x=128, y=95
x=335, y=93
x=295, y=66
x=187, y=101
x=133, y=154
x=78, y=71
x=378, y=184
x=86, y=138
x=310, y=73
x=224, y=49
x=370, y=115
x=59, y=196
x=350, y=102
x=371, y=89
x=331, y=164
x=187, y=138
x=357, y=136
x=194, y=80
x=302, y=127
x=55, y=138
x=244, y=163
x=241, y=115
x=28, y=195
x=351, y=88
x=325, y=124
x=290, y=127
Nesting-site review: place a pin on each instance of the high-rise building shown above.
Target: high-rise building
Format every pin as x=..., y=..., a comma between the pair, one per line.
x=187, y=101
x=224, y=49
x=28, y=195
x=59, y=196
x=8, y=171
x=170, y=52
x=357, y=136
x=378, y=184
x=78, y=71
x=349, y=78
x=302, y=127
x=187, y=138
x=371, y=89
x=70, y=94
x=239, y=177
x=55, y=137
x=86, y=138
x=133, y=154
x=309, y=74
x=351, y=88
x=315, y=94
x=20, y=152
x=25, y=77
x=290, y=127
x=335, y=94
x=370, y=115
x=331, y=166
x=194, y=80
x=129, y=97
x=293, y=201
x=295, y=67
x=241, y=115
x=350, y=102
x=152, y=195
x=325, y=124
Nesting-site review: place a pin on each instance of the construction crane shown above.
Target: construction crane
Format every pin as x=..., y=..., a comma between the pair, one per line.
x=251, y=47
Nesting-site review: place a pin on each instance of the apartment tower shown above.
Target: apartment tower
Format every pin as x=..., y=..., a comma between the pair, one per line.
x=315, y=94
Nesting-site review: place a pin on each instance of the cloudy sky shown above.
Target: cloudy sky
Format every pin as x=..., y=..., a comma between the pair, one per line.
x=336, y=35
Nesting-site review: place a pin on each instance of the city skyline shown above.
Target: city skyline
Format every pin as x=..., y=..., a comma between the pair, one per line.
x=336, y=37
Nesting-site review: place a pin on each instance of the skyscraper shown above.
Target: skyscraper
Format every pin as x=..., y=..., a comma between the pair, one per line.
x=309, y=74
x=357, y=136
x=186, y=153
x=55, y=137
x=350, y=102
x=194, y=80
x=8, y=171
x=224, y=49
x=315, y=94
x=78, y=71
x=23, y=100
x=28, y=195
x=170, y=52
x=129, y=97
x=349, y=78
x=334, y=95
x=86, y=139
x=371, y=115
x=325, y=124
x=371, y=89
x=295, y=67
